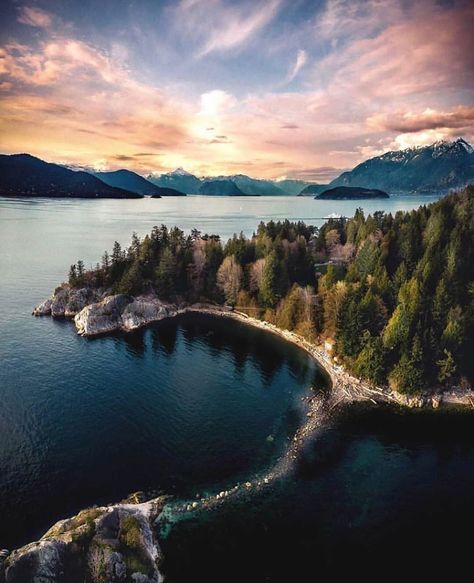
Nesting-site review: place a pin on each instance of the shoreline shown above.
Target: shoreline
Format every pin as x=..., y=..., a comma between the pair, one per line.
x=153, y=517
x=97, y=314
x=345, y=387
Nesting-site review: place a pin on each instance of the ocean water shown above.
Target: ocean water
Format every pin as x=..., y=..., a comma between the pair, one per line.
x=192, y=404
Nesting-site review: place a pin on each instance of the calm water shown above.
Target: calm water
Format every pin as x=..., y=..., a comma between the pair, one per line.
x=191, y=403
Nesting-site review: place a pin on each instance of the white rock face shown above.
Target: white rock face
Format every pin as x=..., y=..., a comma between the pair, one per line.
x=102, y=317
x=59, y=303
x=43, y=309
x=66, y=302
x=121, y=312
x=141, y=312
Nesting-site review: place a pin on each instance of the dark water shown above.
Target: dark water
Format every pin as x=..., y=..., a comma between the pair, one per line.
x=189, y=405
x=378, y=494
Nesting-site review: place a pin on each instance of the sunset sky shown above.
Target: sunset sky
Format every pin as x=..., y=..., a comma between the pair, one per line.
x=269, y=88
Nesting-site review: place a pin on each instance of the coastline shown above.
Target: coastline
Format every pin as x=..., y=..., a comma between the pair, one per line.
x=152, y=517
x=97, y=314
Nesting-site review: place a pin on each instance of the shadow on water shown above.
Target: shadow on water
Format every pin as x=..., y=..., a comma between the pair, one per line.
x=380, y=491
x=181, y=406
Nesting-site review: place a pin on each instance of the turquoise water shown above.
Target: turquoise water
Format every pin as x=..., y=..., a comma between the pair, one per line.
x=190, y=404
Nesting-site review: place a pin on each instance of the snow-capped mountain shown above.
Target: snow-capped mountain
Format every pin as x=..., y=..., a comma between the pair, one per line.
x=178, y=179
x=435, y=168
x=184, y=181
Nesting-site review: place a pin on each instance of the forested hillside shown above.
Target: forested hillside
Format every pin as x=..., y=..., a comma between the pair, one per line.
x=395, y=294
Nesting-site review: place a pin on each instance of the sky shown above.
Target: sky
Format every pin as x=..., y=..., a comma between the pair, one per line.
x=269, y=88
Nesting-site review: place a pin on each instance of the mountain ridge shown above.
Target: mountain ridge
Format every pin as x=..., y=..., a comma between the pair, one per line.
x=24, y=175
x=439, y=167
x=135, y=183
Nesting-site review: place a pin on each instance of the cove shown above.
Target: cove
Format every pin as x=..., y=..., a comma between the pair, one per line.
x=188, y=403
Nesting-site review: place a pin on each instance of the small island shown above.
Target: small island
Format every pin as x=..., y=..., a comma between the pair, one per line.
x=351, y=193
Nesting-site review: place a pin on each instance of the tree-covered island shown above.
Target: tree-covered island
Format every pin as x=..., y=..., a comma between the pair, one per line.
x=392, y=295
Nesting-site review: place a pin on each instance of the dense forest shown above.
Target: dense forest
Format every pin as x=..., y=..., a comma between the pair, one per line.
x=395, y=294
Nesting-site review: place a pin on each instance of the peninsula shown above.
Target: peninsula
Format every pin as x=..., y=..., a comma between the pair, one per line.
x=390, y=296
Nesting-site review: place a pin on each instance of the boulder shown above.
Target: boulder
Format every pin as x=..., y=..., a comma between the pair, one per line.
x=44, y=309
x=102, y=317
x=66, y=302
x=141, y=312
x=59, y=302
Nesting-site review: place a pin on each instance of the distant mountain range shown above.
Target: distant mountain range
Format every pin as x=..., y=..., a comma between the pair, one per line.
x=25, y=175
x=191, y=184
x=135, y=183
x=220, y=186
x=443, y=166
x=437, y=168
x=313, y=189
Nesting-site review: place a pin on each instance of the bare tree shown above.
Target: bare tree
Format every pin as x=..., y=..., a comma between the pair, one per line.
x=256, y=275
x=229, y=278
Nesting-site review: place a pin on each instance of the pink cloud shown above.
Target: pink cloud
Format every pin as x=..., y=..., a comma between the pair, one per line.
x=34, y=16
x=391, y=81
x=461, y=118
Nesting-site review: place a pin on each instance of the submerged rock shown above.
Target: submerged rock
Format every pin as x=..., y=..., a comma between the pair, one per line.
x=106, y=544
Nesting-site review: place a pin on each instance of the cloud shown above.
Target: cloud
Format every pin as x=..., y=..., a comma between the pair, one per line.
x=216, y=102
x=462, y=117
x=343, y=21
x=63, y=90
x=222, y=26
x=34, y=16
x=301, y=60
x=381, y=78
x=321, y=174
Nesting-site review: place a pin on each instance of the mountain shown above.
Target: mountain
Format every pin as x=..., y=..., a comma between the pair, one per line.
x=222, y=187
x=350, y=193
x=25, y=175
x=292, y=186
x=179, y=180
x=313, y=189
x=440, y=167
x=186, y=182
x=135, y=183
x=255, y=186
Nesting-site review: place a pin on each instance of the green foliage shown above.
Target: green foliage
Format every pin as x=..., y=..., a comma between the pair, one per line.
x=395, y=293
x=371, y=360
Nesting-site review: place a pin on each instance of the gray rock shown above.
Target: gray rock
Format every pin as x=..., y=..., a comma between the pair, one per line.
x=89, y=546
x=43, y=309
x=141, y=312
x=102, y=317
x=59, y=303
x=78, y=300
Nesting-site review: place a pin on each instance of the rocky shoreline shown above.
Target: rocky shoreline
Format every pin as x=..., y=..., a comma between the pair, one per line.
x=98, y=312
x=119, y=542
x=115, y=543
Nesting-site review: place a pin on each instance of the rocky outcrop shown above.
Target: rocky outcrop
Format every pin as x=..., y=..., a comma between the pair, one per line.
x=120, y=312
x=142, y=311
x=95, y=312
x=102, y=317
x=43, y=309
x=66, y=302
x=113, y=544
